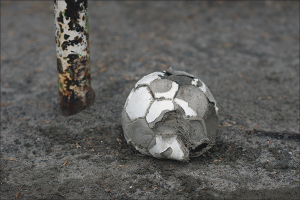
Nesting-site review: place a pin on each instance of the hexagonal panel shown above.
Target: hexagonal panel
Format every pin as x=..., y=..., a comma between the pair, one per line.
x=158, y=108
x=139, y=132
x=196, y=99
x=138, y=103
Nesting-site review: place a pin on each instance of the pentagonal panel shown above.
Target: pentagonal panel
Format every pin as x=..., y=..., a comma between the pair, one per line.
x=199, y=132
x=138, y=103
x=139, y=132
x=164, y=88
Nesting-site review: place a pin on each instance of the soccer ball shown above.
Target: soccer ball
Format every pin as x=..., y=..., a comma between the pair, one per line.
x=171, y=115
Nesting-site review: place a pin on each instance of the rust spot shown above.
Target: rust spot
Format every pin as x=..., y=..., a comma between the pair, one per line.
x=59, y=66
x=73, y=57
x=75, y=104
x=60, y=18
x=77, y=74
x=61, y=29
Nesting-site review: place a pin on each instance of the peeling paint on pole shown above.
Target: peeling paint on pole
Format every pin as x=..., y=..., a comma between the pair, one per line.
x=73, y=55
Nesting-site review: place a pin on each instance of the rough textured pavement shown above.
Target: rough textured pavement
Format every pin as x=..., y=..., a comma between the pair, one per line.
x=246, y=53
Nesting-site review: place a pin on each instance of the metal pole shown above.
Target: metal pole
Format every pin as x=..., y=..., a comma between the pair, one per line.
x=73, y=55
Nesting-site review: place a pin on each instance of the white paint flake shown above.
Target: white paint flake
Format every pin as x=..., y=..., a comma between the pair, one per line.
x=195, y=81
x=203, y=87
x=162, y=144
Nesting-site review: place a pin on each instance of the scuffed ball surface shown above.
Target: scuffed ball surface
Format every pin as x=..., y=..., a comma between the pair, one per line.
x=171, y=115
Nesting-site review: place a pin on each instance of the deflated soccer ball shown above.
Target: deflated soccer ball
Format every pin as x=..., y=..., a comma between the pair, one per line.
x=171, y=115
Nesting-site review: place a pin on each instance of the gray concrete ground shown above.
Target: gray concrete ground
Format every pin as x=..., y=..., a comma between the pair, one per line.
x=246, y=52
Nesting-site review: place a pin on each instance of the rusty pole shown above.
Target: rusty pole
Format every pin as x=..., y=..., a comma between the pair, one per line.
x=73, y=55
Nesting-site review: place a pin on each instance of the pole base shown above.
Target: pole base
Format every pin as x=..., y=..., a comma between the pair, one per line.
x=70, y=105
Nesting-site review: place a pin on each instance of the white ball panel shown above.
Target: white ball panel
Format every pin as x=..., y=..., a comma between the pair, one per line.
x=162, y=144
x=146, y=80
x=157, y=108
x=139, y=102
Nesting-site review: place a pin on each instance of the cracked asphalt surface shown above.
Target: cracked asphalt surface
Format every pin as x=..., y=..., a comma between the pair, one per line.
x=247, y=53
